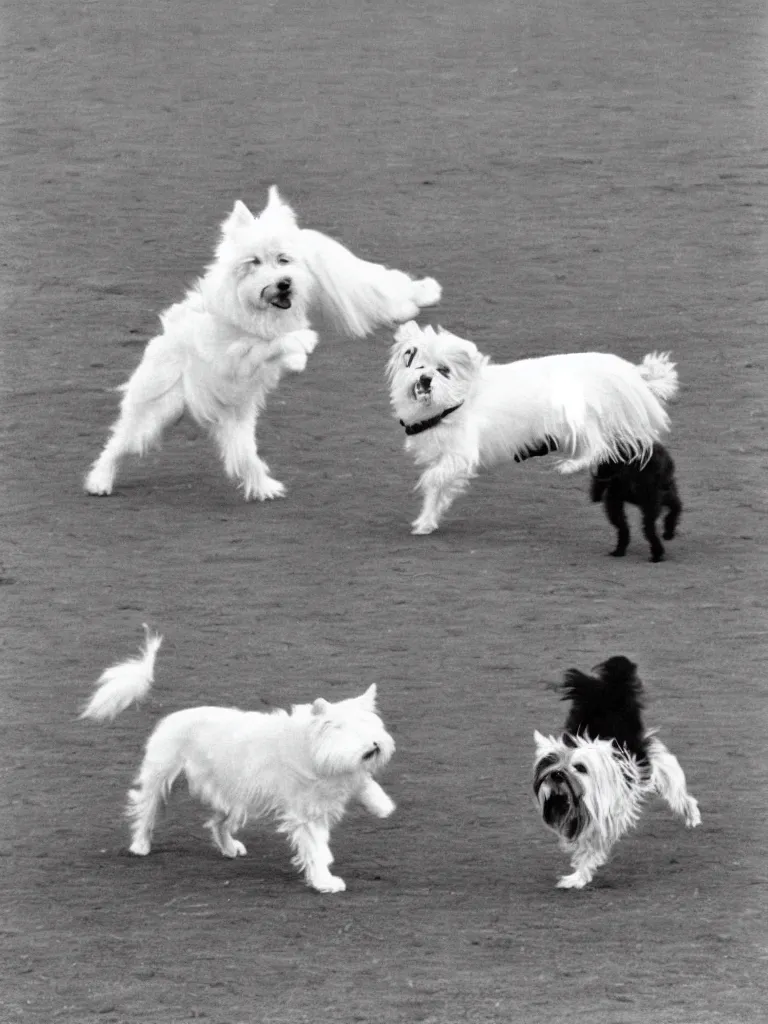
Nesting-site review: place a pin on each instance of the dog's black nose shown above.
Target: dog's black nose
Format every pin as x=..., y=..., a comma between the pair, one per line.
x=284, y=284
x=425, y=380
x=557, y=775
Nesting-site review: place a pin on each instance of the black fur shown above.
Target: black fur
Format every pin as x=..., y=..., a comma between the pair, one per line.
x=652, y=487
x=608, y=705
x=533, y=451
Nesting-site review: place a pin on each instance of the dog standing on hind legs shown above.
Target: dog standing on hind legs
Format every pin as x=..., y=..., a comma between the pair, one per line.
x=651, y=486
x=240, y=328
x=301, y=768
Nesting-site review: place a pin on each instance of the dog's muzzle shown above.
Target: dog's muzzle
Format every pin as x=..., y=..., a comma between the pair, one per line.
x=561, y=805
x=279, y=294
x=423, y=387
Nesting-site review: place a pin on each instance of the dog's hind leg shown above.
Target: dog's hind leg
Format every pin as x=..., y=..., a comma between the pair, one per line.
x=675, y=507
x=650, y=513
x=153, y=784
x=668, y=780
x=614, y=510
x=221, y=826
x=236, y=438
x=312, y=854
x=139, y=426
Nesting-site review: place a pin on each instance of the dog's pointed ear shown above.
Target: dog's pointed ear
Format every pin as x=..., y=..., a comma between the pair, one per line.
x=277, y=207
x=320, y=706
x=240, y=219
x=543, y=743
x=368, y=699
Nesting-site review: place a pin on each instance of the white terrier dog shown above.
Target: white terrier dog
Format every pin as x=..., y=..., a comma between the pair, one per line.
x=590, y=782
x=462, y=412
x=301, y=768
x=226, y=345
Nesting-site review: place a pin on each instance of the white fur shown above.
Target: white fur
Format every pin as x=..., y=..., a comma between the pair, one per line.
x=226, y=345
x=125, y=683
x=593, y=405
x=301, y=768
x=611, y=789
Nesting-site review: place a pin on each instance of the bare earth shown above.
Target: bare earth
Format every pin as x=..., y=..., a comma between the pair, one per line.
x=578, y=176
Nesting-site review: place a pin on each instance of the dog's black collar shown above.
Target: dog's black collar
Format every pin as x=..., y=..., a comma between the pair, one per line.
x=422, y=425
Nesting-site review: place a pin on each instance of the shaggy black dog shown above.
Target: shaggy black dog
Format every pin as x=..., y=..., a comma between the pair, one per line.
x=651, y=487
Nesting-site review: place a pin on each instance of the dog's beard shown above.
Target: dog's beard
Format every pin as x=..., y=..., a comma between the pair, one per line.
x=584, y=785
x=562, y=805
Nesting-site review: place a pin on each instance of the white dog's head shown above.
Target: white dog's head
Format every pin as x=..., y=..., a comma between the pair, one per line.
x=259, y=279
x=430, y=371
x=348, y=736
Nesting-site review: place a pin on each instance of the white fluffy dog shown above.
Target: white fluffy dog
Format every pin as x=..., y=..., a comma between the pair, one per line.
x=462, y=412
x=226, y=345
x=301, y=768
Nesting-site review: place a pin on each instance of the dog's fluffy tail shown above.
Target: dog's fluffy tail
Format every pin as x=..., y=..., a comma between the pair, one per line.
x=358, y=296
x=607, y=705
x=660, y=374
x=125, y=683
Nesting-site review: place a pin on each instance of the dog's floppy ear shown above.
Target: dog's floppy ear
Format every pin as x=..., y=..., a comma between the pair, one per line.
x=277, y=208
x=463, y=354
x=320, y=706
x=240, y=219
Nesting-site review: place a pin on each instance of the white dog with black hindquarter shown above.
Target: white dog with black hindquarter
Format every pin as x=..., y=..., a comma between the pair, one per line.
x=592, y=780
x=244, y=324
x=462, y=412
x=301, y=768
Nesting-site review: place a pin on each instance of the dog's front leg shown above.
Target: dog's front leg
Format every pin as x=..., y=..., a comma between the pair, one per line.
x=312, y=856
x=585, y=863
x=375, y=800
x=441, y=484
x=291, y=350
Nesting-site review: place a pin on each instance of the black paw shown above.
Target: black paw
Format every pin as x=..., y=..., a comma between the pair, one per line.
x=618, y=553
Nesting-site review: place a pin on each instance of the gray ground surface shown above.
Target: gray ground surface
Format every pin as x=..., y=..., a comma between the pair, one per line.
x=578, y=176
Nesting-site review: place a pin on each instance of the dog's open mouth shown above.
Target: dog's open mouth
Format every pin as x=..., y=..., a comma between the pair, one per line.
x=282, y=300
x=421, y=392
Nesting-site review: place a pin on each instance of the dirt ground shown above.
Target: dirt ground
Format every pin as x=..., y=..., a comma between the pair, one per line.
x=578, y=176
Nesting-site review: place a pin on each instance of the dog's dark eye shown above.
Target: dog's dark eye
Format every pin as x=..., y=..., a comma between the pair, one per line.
x=580, y=768
x=444, y=370
x=282, y=258
x=410, y=355
x=256, y=261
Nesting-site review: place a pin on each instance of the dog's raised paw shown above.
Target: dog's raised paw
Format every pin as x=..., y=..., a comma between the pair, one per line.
x=428, y=292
